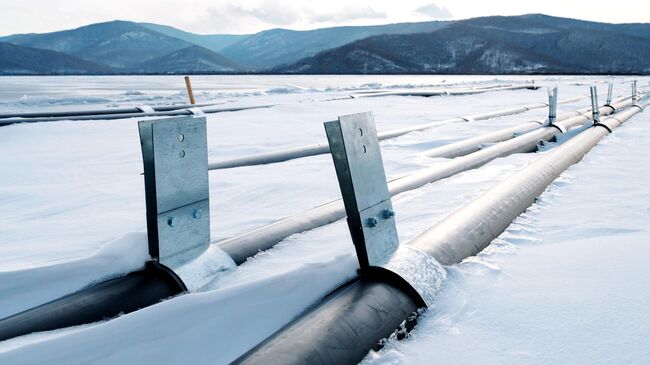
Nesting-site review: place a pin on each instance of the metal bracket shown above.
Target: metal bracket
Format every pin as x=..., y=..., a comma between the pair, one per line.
x=610, y=90
x=595, y=111
x=552, y=110
x=360, y=170
x=552, y=105
x=174, y=152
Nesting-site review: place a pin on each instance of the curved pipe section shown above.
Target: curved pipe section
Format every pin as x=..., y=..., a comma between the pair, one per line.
x=106, y=300
x=343, y=327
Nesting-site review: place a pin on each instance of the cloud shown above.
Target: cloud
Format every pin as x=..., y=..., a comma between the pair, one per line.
x=434, y=11
x=347, y=14
x=268, y=11
x=282, y=13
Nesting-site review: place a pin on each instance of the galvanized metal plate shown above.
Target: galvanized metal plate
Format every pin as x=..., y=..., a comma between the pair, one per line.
x=360, y=170
x=174, y=151
x=181, y=159
x=356, y=145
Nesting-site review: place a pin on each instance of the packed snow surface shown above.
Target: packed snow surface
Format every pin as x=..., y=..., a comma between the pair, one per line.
x=564, y=284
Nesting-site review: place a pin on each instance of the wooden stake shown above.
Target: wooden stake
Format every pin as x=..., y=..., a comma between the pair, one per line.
x=189, y=90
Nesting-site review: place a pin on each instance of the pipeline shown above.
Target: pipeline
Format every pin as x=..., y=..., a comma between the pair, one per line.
x=323, y=148
x=477, y=90
x=120, y=113
x=473, y=144
x=106, y=300
x=352, y=320
x=102, y=301
x=161, y=113
x=72, y=113
x=248, y=244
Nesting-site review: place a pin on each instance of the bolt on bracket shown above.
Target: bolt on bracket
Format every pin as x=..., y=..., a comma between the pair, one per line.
x=360, y=170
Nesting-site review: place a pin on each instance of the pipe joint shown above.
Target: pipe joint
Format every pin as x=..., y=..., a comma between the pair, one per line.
x=599, y=124
x=558, y=127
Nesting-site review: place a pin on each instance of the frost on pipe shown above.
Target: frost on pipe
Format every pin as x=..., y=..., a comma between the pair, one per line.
x=323, y=148
x=248, y=244
x=354, y=319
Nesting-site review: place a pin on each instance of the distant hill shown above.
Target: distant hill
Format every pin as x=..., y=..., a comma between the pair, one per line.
x=213, y=42
x=121, y=45
x=494, y=45
x=532, y=43
x=118, y=44
x=192, y=59
x=19, y=60
x=275, y=47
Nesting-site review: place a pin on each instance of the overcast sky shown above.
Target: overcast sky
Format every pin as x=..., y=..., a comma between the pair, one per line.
x=249, y=16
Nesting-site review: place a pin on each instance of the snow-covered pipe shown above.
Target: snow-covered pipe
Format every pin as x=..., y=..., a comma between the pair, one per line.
x=323, y=148
x=471, y=228
x=353, y=319
x=174, y=154
x=103, y=301
x=474, y=144
x=472, y=91
x=72, y=113
x=162, y=113
x=248, y=244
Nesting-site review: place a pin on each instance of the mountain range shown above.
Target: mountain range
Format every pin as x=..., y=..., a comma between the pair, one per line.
x=525, y=44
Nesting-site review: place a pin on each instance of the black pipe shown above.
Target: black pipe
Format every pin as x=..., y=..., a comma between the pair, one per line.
x=365, y=310
x=342, y=328
x=106, y=300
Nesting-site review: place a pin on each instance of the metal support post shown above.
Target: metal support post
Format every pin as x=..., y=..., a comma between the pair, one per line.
x=595, y=111
x=175, y=155
x=371, y=218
